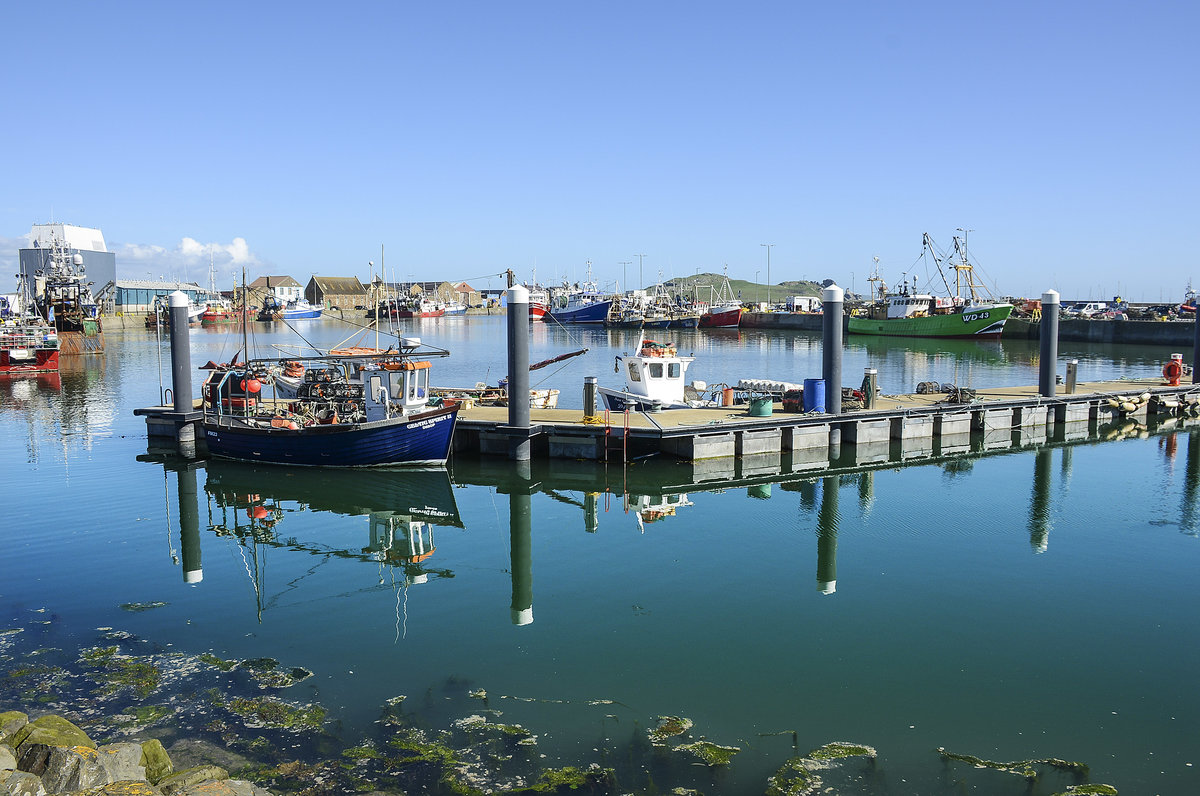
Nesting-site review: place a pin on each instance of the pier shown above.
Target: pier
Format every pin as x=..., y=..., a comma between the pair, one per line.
x=917, y=424
x=941, y=421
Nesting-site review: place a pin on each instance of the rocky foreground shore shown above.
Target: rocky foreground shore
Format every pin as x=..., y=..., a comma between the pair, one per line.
x=50, y=755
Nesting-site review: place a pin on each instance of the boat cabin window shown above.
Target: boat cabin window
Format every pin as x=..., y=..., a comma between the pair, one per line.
x=376, y=387
x=673, y=370
x=633, y=372
x=656, y=370
x=416, y=384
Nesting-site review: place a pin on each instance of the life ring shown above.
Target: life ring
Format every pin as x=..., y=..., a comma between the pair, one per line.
x=1172, y=371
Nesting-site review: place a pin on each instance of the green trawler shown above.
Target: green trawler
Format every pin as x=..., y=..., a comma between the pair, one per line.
x=908, y=313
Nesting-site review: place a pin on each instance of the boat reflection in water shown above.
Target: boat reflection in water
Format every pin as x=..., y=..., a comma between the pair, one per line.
x=250, y=503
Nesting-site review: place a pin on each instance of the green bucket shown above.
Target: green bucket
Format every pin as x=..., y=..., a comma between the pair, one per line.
x=761, y=407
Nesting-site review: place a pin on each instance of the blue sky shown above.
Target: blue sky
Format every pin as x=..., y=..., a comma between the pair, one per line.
x=470, y=137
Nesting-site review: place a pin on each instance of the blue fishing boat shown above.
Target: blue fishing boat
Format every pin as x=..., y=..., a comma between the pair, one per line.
x=299, y=309
x=360, y=410
x=584, y=307
x=581, y=304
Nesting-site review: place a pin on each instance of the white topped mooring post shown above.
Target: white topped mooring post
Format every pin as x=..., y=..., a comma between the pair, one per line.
x=520, y=523
x=189, y=525
x=1196, y=349
x=181, y=352
x=518, y=370
x=827, y=533
x=1049, y=344
x=832, y=299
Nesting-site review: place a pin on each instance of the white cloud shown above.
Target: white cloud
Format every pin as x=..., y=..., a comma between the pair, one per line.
x=187, y=262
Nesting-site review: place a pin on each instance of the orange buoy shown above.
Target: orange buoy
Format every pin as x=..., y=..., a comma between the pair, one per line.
x=1173, y=370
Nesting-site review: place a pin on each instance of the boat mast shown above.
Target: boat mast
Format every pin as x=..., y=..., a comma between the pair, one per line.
x=878, y=293
x=245, y=320
x=212, y=275
x=927, y=242
x=964, y=265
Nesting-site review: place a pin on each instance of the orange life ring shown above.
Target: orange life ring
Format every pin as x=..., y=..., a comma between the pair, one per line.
x=1172, y=371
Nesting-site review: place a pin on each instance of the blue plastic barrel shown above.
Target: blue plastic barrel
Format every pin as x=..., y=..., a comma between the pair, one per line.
x=814, y=395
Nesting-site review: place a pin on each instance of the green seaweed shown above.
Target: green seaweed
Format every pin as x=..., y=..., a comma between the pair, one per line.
x=668, y=727
x=217, y=663
x=277, y=714
x=709, y=753
x=1024, y=768
x=1089, y=790
x=793, y=779
x=364, y=751
x=115, y=672
x=139, y=607
x=415, y=747
x=840, y=749
x=270, y=674
x=143, y=715
x=571, y=778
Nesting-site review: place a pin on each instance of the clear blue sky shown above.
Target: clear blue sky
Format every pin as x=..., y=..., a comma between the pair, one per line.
x=470, y=137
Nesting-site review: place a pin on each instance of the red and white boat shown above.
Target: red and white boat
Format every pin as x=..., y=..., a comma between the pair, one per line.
x=539, y=300
x=220, y=312
x=724, y=311
x=420, y=309
x=721, y=317
x=28, y=345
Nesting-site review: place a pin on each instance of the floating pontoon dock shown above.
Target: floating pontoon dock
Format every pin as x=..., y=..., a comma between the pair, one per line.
x=918, y=422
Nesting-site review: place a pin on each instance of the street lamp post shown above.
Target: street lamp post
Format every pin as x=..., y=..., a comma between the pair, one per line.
x=641, y=284
x=768, y=245
x=756, y=285
x=624, y=263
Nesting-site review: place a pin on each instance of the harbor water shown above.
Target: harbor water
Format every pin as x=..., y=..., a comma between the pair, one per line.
x=1026, y=604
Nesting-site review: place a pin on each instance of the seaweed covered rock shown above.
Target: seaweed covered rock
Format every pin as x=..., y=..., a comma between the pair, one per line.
x=36, y=740
x=11, y=721
x=181, y=780
x=155, y=761
x=122, y=761
x=72, y=768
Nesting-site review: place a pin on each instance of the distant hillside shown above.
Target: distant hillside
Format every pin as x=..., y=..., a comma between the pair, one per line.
x=749, y=291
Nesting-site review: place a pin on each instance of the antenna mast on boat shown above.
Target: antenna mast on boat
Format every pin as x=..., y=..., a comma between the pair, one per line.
x=978, y=290
x=927, y=242
x=881, y=291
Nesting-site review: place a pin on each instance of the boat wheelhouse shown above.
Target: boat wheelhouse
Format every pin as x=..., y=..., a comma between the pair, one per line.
x=654, y=380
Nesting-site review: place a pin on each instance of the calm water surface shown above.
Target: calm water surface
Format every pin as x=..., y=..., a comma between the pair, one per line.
x=1036, y=603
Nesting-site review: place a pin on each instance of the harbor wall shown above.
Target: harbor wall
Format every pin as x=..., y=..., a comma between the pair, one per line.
x=1178, y=334
x=802, y=321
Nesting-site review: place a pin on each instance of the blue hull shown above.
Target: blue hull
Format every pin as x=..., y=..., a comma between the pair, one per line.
x=596, y=312
x=420, y=439
x=299, y=315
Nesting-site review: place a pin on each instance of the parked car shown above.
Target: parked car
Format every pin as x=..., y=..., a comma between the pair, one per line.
x=1086, y=310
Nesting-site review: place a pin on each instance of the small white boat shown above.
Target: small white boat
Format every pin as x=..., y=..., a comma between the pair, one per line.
x=654, y=380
